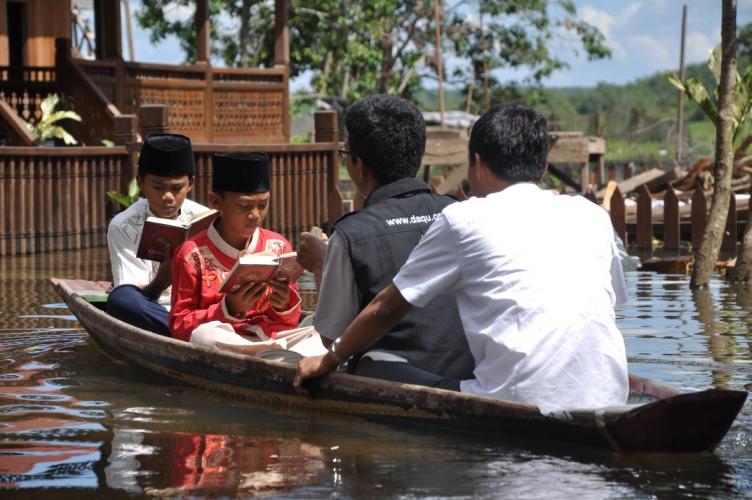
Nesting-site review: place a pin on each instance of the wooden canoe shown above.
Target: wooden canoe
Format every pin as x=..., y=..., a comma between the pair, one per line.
x=664, y=421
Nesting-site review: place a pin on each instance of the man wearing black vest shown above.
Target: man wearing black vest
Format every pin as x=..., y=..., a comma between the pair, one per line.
x=386, y=139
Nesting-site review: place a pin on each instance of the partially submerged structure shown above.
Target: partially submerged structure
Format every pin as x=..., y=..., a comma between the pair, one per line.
x=55, y=197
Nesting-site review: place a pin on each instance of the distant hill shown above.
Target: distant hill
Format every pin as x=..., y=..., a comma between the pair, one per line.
x=638, y=119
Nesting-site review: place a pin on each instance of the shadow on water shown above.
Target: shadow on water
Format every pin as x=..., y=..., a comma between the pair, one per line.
x=75, y=423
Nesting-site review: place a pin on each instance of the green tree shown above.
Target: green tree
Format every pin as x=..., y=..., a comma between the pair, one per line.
x=241, y=31
x=521, y=34
x=354, y=48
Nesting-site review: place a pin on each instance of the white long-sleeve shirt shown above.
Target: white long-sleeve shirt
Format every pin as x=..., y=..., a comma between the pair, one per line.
x=123, y=235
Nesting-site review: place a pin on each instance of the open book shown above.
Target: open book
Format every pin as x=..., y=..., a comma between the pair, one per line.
x=255, y=267
x=158, y=232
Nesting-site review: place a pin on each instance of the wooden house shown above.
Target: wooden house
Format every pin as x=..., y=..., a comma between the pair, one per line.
x=54, y=198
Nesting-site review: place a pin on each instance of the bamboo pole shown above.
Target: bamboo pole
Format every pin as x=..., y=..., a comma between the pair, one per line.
x=680, y=105
x=439, y=64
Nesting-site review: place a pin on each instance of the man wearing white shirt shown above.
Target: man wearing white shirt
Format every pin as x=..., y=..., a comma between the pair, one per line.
x=141, y=295
x=535, y=276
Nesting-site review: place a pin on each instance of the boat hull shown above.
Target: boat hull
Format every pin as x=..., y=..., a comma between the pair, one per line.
x=674, y=422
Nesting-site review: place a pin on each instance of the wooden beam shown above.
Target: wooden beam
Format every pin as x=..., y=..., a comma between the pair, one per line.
x=203, y=43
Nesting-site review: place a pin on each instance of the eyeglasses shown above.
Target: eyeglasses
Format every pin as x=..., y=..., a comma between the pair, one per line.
x=342, y=151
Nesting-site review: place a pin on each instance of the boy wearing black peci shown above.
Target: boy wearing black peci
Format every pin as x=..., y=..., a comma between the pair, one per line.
x=142, y=287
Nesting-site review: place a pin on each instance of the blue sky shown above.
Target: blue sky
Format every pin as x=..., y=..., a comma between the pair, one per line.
x=643, y=35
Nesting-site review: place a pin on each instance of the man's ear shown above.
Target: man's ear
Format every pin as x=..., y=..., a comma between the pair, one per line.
x=191, y=180
x=215, y=200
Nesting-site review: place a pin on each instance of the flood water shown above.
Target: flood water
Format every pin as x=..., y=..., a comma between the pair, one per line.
x=75, y=423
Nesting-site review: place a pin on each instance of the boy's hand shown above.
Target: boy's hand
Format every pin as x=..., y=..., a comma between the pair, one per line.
x=244, y=298
x=163, y=279
x=311, y=252
x=280, y=296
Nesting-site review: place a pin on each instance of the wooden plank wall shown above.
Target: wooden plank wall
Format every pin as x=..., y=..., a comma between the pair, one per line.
x=55, y=198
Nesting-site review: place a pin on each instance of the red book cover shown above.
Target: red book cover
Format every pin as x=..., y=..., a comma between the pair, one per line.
x=260, y=267
x=249, y=269
x=288, y=269
x=157, y=232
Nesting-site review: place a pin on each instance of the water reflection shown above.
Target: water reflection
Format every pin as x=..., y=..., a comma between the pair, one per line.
x=73, y=420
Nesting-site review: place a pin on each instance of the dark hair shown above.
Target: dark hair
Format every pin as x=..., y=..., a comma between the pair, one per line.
x=512, y=140
x=389, y=134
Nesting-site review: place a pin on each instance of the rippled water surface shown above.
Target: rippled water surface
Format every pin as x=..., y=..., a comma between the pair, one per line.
x=75, y=423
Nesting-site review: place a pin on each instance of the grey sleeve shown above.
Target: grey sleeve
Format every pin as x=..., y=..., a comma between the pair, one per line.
x=338, y=298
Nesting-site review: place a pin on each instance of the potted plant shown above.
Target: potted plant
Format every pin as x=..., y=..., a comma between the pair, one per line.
x=46, y=130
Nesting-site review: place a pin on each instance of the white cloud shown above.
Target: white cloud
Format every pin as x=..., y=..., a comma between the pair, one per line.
x=651, y=50
x=606, y=23
x=698, y=47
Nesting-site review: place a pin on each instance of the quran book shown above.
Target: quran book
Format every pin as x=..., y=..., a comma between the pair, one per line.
x=253, y=268
x=158, y=232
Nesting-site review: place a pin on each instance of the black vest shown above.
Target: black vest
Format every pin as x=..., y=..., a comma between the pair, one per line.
x=380, y=238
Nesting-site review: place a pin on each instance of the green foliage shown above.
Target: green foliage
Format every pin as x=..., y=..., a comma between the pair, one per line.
x=128, y=199
x=526, y=33
x=357, y=48
x=46, y=128
x=697, y=92
x=249, y=42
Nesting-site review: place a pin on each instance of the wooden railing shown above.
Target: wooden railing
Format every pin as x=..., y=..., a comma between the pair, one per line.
x=230, y=105
x=13, y=128
x=55, y=198
x=24, y=89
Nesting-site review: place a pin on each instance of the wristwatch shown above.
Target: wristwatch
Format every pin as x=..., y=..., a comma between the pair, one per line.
x=335, y=355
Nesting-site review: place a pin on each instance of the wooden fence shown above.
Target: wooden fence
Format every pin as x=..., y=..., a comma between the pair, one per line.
x=680, y=219
x=55, y=198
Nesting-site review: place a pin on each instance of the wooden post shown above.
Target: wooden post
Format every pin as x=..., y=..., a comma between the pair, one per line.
x=124, y=134
x=671, y=223
x=202, y=31
x=282, y=57
x=699, y=217
x=209, y=104
x=585, y=177
x=107, y=29
x=154, y=119
x=326, y=130
x=729, y=236
x=590, y=196
x=62, y=58
x=281, y=33
x=618, y=215
x=644, y=219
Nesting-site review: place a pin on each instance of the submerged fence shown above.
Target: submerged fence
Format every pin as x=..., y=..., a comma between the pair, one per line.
x=680, y=217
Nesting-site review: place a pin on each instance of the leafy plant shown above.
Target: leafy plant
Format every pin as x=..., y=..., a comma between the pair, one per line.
x=126, y=200
x=46, y=128
x=696, y=91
